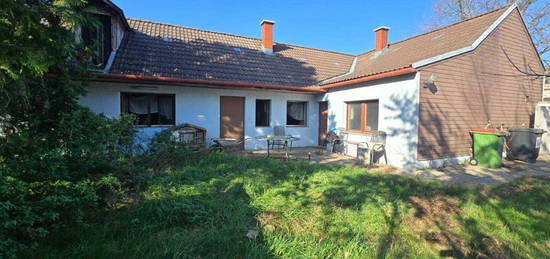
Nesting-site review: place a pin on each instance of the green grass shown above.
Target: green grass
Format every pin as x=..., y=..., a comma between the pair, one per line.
x=206, y=208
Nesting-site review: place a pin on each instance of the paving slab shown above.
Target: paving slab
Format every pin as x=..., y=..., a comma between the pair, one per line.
x=476, y=175
x=456, y=174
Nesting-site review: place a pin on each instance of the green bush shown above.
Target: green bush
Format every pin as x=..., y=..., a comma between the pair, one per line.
x=51, y=179
x=163, y=152
x=57, y=160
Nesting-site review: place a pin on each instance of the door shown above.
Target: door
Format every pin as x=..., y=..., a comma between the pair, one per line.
x=542, y=121
x=232, y=117
x=323, y=120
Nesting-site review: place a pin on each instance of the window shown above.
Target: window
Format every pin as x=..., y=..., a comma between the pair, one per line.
x=296, y=113
x=98, y=37
x=354, y=116
x=362, y=116
x=263, y=113
x=150, y=109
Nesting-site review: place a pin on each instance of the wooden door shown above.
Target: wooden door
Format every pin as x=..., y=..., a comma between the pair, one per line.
x=323, y=120
x=232, y=117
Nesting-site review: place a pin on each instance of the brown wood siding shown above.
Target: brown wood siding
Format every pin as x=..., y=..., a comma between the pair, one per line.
x=546, y=93
x=477, y=87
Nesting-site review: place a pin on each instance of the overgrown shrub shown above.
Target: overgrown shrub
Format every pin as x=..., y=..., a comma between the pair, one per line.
x=163, y=152
x=57, y=159
x=51, y=179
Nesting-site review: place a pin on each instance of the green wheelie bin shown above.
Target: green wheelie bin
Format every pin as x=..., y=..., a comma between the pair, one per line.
x=487, y=146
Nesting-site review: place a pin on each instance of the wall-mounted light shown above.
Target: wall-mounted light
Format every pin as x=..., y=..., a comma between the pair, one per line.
x=430, y=83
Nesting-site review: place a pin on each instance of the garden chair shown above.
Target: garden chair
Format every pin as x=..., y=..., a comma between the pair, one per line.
x=377, y=145
x=279, y=131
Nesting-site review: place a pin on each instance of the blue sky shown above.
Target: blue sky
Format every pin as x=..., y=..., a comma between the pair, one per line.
x=344, y=26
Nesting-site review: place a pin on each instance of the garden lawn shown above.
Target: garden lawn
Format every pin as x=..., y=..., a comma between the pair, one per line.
x=222, y=206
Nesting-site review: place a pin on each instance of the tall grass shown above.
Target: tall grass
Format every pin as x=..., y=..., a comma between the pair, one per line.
x=222, y=206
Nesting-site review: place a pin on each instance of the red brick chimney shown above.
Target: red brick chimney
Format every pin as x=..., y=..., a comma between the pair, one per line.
x=267, y=36
x=381, y=34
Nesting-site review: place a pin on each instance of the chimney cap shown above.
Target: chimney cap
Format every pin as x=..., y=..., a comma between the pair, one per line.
x=382, y=28
x=267, y=21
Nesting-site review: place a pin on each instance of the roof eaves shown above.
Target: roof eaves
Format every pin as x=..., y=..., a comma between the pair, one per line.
x=350, y=71
x=157, y=79
x=474, y=45
x=371, y=77
x=118, y=11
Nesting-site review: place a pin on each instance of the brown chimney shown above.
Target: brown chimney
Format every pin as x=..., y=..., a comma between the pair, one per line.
x=267, y=36
x=381, y=34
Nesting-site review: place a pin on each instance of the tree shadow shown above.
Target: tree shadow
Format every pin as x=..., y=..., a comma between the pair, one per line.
x=389, y=194
x=485, y=94
x=404, y=108
x=395, y=195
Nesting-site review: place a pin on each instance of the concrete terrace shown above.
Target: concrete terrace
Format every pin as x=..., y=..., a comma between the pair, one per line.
x=455, y=174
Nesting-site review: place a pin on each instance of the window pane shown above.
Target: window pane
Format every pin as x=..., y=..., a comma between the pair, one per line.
x=296, y=113
x=139, y=105
x=263, y=108
x=166, y=110
x=98, y=37
x=354, y=116
x=106, y=43
x=372, y=115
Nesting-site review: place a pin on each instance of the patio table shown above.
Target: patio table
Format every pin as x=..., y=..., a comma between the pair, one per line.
x=271, y=140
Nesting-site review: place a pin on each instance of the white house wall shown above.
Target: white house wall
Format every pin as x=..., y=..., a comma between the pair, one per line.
x=398, y=114
x=201, y=107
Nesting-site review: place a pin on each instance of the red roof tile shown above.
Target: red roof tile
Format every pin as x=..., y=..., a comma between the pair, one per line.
x=404, y=53
x=154, y=49
x=162, y=50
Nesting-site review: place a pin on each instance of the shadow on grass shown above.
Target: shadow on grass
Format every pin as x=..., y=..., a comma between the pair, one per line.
x=207, y=207
x=462, y=233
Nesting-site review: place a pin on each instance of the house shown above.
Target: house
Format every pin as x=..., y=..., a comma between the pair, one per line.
x=425, y=92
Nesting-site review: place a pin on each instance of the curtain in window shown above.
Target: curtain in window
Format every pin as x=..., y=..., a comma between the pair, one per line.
x=296, y=111
x=354, y=116
x=166, y=109
x=372, y=115
x=139, y=104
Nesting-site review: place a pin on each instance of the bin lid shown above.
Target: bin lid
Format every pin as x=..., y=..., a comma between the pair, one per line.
x=536, y=131
x=488, y=131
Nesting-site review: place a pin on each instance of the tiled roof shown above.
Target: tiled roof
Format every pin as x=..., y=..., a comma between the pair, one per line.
x=406, y=52
x=162, y=50
x=154, y=49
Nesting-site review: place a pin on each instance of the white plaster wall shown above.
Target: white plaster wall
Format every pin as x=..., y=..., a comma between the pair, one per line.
x=398, y=114
x=201, y=107
x=117, y=32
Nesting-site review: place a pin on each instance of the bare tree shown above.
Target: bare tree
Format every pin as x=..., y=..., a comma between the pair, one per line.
x=535, y=12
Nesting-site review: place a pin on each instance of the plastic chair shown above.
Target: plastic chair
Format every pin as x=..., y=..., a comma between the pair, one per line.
x=377, y=144
x=279, y=131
